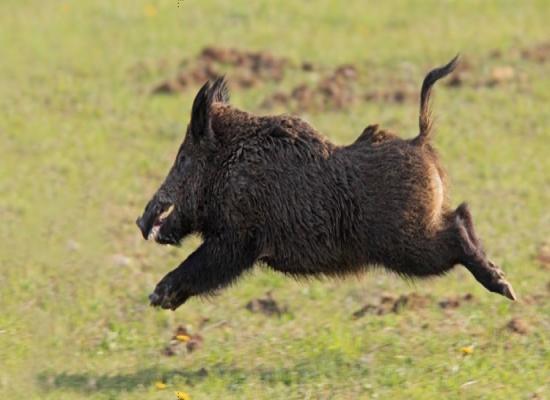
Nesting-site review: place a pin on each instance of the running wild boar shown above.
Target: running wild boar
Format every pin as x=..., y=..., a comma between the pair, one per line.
x=271, y=190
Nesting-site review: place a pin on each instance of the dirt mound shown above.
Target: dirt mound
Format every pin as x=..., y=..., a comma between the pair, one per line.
x=266, y=305
x=183, y=336
x=517, y=325
x=389, y=303
x=539, y=52
x=336, y=88
x=455, y=302
x=261, y=64
x=247, y=69
x=392, y=304
x=468, y=74
x=500, y=75
x=399, y=94
x=334, y=91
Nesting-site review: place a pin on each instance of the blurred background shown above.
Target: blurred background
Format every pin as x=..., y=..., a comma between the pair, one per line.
x=94, y=100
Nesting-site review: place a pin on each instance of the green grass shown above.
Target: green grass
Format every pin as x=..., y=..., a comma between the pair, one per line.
x=82, y=148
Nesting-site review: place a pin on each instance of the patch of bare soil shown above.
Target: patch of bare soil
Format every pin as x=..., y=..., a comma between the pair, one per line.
x=456, y=301
x=337, y=88
x=468, y=74
x=500, y=75
x=399, y=94
x=517, y=325
x=389, y=303
x=334, y=91
x=539, y=52
x=266, y=305
x=247, y=69
x=183, y=341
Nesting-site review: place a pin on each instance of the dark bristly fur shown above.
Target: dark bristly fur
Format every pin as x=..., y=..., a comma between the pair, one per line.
x=272, y=190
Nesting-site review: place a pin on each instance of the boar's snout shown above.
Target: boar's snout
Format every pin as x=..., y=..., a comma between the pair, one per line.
x=145, y=222
x=143, y=227
x=153, y=218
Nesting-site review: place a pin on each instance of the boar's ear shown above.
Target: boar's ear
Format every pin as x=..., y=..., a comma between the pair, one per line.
x=200, y=113
x=220, y=92
x=201, y=126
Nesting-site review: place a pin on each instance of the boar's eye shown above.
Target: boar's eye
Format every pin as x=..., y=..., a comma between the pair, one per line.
x=182, y=161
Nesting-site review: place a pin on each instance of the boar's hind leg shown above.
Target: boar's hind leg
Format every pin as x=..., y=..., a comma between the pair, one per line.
x=215, y=264
x=473, y=257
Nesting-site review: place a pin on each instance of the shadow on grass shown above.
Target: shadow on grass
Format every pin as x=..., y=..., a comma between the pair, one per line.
x=90, y=382
x=302, y=371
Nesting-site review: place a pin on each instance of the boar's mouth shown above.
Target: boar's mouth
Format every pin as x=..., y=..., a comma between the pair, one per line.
x=158, y=222
x=150, y=224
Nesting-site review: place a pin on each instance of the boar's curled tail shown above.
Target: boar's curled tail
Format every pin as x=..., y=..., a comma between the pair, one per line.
x=425, y=119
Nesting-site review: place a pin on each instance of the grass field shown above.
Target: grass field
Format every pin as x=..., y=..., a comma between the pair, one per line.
x=83, y=146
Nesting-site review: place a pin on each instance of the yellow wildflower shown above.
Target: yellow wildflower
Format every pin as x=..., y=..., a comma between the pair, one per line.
x=466, y=350
x=150, y=10
x=183, y=338
x=160, y=385
x=182, y=396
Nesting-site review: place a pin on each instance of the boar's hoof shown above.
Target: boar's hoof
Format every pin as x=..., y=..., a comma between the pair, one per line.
x=166, y=297
x=499, y=284
x=504, y=288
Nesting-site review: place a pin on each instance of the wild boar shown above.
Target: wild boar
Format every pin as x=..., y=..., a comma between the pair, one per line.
x=271, y=190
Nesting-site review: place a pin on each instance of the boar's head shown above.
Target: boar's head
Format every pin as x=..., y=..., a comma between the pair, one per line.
x=176, y=208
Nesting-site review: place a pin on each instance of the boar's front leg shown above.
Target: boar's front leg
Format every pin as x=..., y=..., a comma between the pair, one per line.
x=215, y=264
